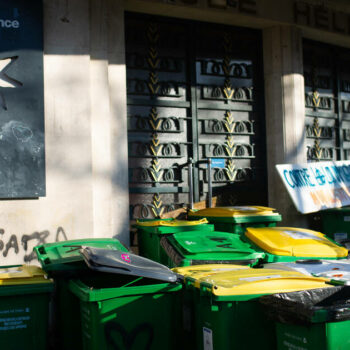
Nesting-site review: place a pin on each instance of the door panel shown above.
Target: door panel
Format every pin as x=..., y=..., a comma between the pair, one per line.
x=194, y=92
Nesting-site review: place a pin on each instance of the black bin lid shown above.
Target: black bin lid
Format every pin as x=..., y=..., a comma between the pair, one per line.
x=119, y=262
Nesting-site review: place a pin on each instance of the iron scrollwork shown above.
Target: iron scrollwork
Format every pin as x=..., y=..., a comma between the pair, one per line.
x=152, y=210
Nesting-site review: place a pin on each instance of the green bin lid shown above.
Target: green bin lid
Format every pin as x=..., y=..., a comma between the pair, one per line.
x=196, y=245
x=65, y=255
x=100, y=288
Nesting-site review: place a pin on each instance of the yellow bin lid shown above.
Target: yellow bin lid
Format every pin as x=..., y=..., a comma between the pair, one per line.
x=259, y=281
x=22, y=274
x=172, y=222
x=198, y=271
x=298, y=242
x=233, y=211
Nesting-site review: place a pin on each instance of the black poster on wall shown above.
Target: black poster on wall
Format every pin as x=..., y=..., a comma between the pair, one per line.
x=22, y=152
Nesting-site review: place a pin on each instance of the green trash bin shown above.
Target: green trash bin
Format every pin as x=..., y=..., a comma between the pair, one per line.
x=197, y=248
x=150, y=232
x=25, y=295
x=284, y=244
x=336, y=223
x=62, y=261
x=227, y=310
x=122, y=311
x=188, y=300
x=311, y=320
x=236, y=219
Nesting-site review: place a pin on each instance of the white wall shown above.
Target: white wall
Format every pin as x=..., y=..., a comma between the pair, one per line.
x=85, y=133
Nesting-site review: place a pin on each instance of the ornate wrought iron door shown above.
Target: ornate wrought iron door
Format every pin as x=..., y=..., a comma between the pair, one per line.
x=327, y=101
x=194, y=91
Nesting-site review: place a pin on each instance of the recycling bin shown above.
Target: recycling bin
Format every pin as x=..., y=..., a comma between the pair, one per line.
x=25, y=295
x=236, y=219
x=128, y=302
x=336, y=270
x=283, y=244
x=63, y=258
x=188, y=300
x=62, y=261
x=227, y=310
x=311, y=320
x=336, y=223
x=196, y=248
x=150, y=232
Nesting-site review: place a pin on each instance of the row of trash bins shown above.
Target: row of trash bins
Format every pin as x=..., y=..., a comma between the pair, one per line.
x=237, y=282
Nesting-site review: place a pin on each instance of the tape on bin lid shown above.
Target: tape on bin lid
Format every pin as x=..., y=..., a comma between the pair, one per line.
x=333, y=269
x=233, y=211
x=289, y=241
x=119, y=262
x=172, y=222
x=198, y=271
x=259, y=281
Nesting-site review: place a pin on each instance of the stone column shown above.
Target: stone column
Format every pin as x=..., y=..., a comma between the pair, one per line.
x=285, y=113
x=109, y=120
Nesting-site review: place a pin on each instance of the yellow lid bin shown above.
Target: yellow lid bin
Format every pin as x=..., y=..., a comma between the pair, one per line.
x=256, y=282
x=150, y=232
x=25, y=293
x=198, y=271
x=22, y=275
x=226, y=310
x=233, y=211
x=283, y=244
x=235, y=219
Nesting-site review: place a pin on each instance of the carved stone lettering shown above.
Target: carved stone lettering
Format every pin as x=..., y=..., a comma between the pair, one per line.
x=247, y=6
x=321, y=17
x=302, y=13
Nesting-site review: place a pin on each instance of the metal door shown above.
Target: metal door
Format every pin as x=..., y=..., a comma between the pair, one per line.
x=194, y=92
x=327, y=101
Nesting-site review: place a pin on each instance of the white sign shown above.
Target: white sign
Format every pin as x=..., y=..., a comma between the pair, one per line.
x=317, y=186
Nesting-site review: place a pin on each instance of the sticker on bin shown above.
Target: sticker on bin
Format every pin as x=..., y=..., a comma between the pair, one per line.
x=207, y=339
x=259, y=278
x=126, y=257
x=340, y=236
x=303, y=235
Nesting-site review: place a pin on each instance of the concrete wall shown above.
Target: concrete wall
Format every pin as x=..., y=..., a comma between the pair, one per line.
x=85, y=131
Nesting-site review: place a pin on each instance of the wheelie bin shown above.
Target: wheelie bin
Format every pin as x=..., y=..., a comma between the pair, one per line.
x=188, y=300
x=129, y=302
x=236, y=219
x=150, y=232
x=282, y=244
x=227, y=312
x=62, y=261
x=25, y=294
x=196, y=248
x=336, y=223
x=311, y=320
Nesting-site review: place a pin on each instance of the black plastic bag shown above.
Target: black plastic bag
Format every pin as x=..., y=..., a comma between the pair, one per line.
x=309, y=306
